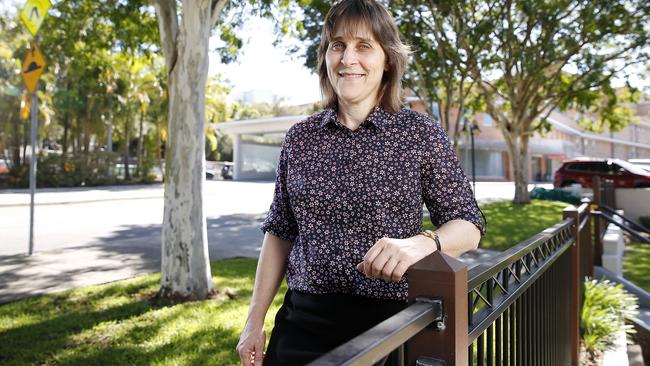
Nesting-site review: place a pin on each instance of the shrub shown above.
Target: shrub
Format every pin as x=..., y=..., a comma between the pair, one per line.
x=85, y=169
x=605, y=310
x=554, y=195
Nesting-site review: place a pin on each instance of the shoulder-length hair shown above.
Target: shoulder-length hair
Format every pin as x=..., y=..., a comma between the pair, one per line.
x=354, y=13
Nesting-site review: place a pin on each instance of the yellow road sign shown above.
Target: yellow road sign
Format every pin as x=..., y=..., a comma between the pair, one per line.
x=33, y=14
x=33, y=67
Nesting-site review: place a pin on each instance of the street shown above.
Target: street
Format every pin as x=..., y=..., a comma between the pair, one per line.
x=130, y=218
x=86, y=236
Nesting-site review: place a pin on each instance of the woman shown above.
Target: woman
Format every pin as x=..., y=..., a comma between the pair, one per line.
x=345, y=222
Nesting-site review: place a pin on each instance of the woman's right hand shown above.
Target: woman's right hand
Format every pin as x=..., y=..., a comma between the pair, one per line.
x=251, y=346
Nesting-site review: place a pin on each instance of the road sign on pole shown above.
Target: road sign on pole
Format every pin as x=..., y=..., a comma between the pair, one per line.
x=32, y=67
x=32, y=172
x=33, y=14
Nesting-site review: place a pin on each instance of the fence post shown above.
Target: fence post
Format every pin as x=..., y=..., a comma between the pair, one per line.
x=440, y=275
x=598, y=223
x=571, y=212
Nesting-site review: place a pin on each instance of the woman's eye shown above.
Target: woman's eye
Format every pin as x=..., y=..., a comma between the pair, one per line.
x=337, y=46
x=364, y=46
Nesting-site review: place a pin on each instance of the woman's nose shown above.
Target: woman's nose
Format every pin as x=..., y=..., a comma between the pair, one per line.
x=349, y=56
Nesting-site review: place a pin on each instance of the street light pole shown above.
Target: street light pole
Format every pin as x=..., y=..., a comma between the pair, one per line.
x=471, y=127
x=471, y=133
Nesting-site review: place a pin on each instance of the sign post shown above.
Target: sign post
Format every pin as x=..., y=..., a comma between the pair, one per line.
x=32, y=172
x=32, y=15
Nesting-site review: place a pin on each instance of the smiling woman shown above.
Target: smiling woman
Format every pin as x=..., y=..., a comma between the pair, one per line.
x=345, y=223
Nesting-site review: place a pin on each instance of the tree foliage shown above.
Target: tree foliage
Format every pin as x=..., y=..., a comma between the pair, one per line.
x=522, y=59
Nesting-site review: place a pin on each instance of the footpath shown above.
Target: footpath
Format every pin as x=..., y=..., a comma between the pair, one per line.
x=57, y=196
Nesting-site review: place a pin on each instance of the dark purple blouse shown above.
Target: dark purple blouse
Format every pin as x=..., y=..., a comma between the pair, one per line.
x=338, y=191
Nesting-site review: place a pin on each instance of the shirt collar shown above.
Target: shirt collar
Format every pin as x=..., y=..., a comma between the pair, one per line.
x=377, y=117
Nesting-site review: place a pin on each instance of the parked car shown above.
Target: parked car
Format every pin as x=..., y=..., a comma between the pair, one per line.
x=3, y=167
x=227, y=171
x=581, y=171
x=643, y=163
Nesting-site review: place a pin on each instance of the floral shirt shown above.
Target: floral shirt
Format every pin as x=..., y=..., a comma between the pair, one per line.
x=338, y=191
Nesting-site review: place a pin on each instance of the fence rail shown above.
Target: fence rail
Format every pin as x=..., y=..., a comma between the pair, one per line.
x=521, y=307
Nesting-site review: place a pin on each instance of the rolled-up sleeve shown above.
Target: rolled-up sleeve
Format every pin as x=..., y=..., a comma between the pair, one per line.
x=446, y=190
x=280, y=220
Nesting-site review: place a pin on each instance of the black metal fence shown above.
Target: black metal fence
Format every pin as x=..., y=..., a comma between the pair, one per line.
x=519, y=308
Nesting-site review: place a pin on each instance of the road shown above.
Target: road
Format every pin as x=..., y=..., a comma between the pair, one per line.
x=87, y=236
x=129, y=219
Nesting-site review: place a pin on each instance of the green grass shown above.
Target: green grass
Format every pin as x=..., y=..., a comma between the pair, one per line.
x=509, y=224
x=115, y=324
x=636, y=264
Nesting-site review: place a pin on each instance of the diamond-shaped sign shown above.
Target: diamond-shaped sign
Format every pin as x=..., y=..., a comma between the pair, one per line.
x=33, y=67
x=33, y=14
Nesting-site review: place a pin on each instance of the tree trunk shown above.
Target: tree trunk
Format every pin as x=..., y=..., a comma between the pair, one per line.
x=518, y=151
x=138, y=170
x=65, y=134
x=16, y=145
x=127, y=123
x=185, y=264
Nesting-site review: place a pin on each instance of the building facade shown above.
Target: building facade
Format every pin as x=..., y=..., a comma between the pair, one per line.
x=256, y=145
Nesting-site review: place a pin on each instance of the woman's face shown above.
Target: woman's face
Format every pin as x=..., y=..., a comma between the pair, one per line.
x=355, y=65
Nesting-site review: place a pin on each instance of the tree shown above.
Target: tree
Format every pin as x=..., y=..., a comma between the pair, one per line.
x=445, y=87
x=185, y=28
x=549, y=55
x=523, y=60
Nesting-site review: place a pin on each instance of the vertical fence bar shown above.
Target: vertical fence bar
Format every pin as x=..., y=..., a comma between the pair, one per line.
x=574, y=283
x=598, y=223
x=442, y=276
x=480, y=353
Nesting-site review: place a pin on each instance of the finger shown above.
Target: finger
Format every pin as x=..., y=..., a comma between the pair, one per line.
x=399, y=271
x=370, y=256
x=378, y=264
x=259, y=351
x=360, y=267
x=245, y=358
x=259, y=355
x=389, y=267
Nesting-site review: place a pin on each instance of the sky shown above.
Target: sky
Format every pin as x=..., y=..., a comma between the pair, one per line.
x=259, y=66
x=263, y=66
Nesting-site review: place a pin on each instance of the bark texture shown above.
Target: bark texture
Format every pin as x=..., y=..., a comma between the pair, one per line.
x=185, y=263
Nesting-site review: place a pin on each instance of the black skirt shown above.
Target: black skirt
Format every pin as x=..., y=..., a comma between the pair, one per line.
x=308, y=326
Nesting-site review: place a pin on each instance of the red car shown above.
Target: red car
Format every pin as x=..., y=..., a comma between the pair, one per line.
x=582, y=171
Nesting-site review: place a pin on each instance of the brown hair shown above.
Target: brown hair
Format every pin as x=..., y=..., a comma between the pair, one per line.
x=352, y=13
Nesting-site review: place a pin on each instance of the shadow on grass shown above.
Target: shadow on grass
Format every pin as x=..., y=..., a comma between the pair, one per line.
x=33, y=343
x=213, y=346
x=117, y=324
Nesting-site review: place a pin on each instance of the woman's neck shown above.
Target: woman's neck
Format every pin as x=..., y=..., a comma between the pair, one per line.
x=353, y=115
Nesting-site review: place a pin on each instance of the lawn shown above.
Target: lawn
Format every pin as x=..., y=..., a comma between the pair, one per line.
x=636, y=264
x=509, y=224
x=115, y=324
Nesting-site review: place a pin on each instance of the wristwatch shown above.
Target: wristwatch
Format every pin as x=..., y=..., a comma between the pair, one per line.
x=434, y=236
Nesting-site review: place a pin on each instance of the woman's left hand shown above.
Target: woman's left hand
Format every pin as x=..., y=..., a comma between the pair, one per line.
x=389, y=258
